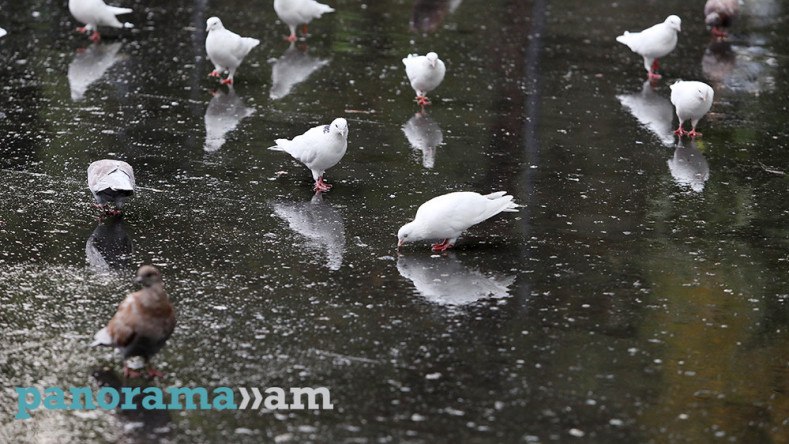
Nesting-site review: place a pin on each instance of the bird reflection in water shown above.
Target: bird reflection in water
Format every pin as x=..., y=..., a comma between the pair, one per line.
x=688, y=166
x=109, y=247
x=652, y=110
x=225, y=111
x=140, y=425
x=446, y=280
x=89, y=65
x=738, y=68
x=428, y=15
x=292, y=68
x=424, y=134
x=321, y=225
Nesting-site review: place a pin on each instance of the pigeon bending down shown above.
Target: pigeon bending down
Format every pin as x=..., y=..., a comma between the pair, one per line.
x=297, y=12
x=111, y=181
x=320, y=148
x=692, y=100
x=95, y=13
x=446, y=217
x=653, y=43
x=143, y=323
x=425, y=74
x=226, y=49
x=719, y=15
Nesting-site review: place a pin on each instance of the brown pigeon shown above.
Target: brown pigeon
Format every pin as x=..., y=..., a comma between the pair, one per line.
x=143, y=323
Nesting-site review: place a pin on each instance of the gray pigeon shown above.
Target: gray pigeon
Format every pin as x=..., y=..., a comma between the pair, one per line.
x=111, y=181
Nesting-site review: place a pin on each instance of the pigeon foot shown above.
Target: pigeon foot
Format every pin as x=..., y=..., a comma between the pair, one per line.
x=680, y=131
x=443, y=246
x=153, y=373
x=654, y=76
x=83, y=30
x=422, y=101
x=227, y=81
x=291, y=38
x=304, y=30
x=718, y=33
x=693, y=133
x=129, y=373
x=95, y=37
x=214, y=73
x=321, y=186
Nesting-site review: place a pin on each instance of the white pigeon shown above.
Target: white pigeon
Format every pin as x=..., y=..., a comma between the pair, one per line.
x=653, y=43
x=425, y=74
x=292, y=68
x=3, y=32
x=111, y=181
x=225, y=111
x=320, y=148
x=688, y=167
x=692, y=100
x=297, y=12
x=447, y=281
x=226, y=49
x=90, y=65
x=447, y=216
x=424, y=134
x=95, y=13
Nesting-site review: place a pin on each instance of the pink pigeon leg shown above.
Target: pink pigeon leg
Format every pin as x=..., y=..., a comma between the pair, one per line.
x=680, y=131
x=129, y=373
x=693, y=133
x=95, y=37
x=291, y=38
x=83, y=30
x=227, y=81
x=321, y=186
x=304, y=29
x=214, y=73
x=442, y=246
x=422, y=100
x=718, y=33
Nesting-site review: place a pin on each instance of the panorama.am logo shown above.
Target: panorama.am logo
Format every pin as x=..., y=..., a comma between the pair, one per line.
x=171, y=398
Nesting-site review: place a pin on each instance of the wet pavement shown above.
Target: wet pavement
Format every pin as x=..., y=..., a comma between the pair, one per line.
x=640, y=296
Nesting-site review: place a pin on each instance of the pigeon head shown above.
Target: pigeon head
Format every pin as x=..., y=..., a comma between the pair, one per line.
x=148, y=275
x=213, y=24
x=409, y=232
x=340, y=126
x=432, y=58
x=674, y=22
x=713, y=19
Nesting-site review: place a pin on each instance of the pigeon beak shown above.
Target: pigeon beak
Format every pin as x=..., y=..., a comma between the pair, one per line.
x=400, y=243
x=433, y=63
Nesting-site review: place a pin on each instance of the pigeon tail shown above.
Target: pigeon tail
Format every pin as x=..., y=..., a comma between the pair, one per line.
x=626, y=39
x=118, y=11
x=128, y=25
x=505, y=202
x=102, y=337
x=250, y=43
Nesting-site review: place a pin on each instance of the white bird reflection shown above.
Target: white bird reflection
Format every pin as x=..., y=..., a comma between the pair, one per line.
x=109, y=247
x=225, y=111
x=688, y=167
x=652, y=110
x=446, y=281
x=292, y=68
x=424, y=134
x=739, y=68
x=321, y=225
x=89, y=65
x=3, y=32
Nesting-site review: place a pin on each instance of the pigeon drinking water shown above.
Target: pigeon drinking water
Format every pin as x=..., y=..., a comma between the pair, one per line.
x=296, y=12
x=226, y=49
x=143, y=323
x=95, y=13
x=425, y=74
x=447, y=216
x=111, y=181
x=692, y=100
x=719, y=15
x=319, y=149
x=653, y=43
